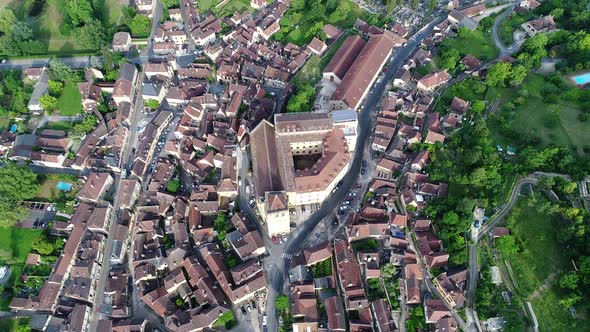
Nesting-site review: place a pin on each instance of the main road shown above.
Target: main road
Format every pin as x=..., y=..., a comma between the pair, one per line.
x=277, y=273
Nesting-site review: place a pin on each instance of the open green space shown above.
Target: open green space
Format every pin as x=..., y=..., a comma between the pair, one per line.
x=310, y=72
x=477, y=43
x=15, y=244
x=70, y=101
x=510, y=24
x=47, y=19
x=227, y=321
x=322, y=269
x=13, y=324
x=305, y=19
x=233, y=6
x=205, y=5
x=539, y=259
x=526, y=113
x=112, y=11
x=48, y=191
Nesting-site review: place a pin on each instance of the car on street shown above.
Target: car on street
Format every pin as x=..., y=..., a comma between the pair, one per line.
x=243, y=311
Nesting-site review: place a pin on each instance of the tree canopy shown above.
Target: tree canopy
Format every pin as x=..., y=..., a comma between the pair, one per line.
x=17, y=183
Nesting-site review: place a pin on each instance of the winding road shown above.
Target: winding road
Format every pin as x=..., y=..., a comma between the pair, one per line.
x=504, y=50
x=531, y=179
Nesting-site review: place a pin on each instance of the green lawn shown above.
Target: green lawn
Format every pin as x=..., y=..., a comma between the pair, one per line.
x=233, y=6
x=297, y=32
x=112, y=12
x=227, y=321
x=556, y=124
x=70, y=101
x=15, y=245
x=311, y=71
x=476, y=43
x=540, y=256
x=205, y=5
x=46, y=25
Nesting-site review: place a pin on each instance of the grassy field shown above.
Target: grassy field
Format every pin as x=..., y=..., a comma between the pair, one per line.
x=311, y=71
x=540, y=257
x=46, y=25
x=233, y=6
x=48, y=190
x=15, y=245
x=297, y=34
x=205, y=5
x=556, y=124
x=70, y=101
x=111, y=11
x=476, y=43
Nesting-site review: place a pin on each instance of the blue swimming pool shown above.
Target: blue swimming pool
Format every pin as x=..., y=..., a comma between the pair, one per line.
x=582, y=79
x=64, y=186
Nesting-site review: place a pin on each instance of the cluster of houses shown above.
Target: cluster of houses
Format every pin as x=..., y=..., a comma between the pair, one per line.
x=348, y=272
x=65, y=300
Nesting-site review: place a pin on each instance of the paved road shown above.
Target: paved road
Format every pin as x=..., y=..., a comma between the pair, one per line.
x=277, y=275
x=473, y=264
x=504, y=51
x=97, y=312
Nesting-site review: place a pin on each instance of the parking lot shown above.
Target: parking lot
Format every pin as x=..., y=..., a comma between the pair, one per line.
x=40, y=214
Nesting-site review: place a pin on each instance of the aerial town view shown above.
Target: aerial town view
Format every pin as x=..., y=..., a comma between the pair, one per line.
x=294, y=165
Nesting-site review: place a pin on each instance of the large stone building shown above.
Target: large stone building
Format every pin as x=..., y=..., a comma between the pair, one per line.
x=298, y=161
x=361, y=67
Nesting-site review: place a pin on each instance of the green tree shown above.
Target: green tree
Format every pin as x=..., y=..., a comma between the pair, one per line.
x=32, y=46
x=517, y=74
x=389, y=270
x=91, y=35
x=42, y=245
x=153, y=104
x=570, y=301
x=21, y=31
x=432, y=4
x=23, y=328
x=478, y=106
x=170, y=3
x=569, y=187
x=48, y=102
x=282, y=302
x=569, y=280
x=450, y=57
x=140, y=26
x=507, y=245
x=87, y=124
x=59, y=71
x=16, y=184
x=220, y=225
x=173, y=186
x=498, y=74
x=55, y=88
x=7, y=20
x=79, y=11
x=8, y=46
